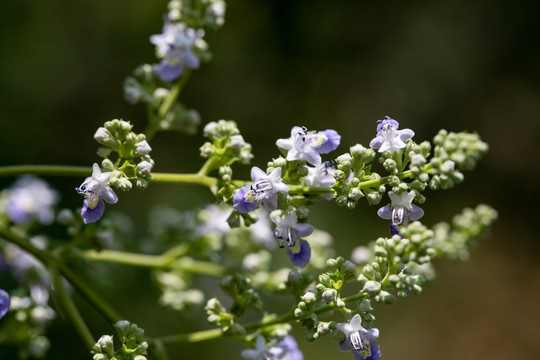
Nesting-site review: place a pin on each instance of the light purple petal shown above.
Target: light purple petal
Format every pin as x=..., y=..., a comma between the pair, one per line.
x=92, y=215
x=239, y=201
x=312, y=157
x=271, y=202
x=415, y=213
x=109, y=195
x=285, y=144
x=301, y=258
x=257, y=174
x=376, y=143
x=304, y=229
x=405, y=134
x=385, y=212
x=4, y=303
x=331, y=144
x=280, y=187
x=275, y=175
x=346, y=345
x=191, y=60
x=372, y=334
x=167, y=72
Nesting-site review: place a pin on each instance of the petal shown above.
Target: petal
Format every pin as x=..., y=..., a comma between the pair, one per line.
x=375, y=351
x=96, y=171
x=345, y=345
x=167, y=72
x=4, y=303
x=301, y=258
x=415, y=213
x=275, y=175
x=405, y=134
x=376, y=142
x=92, y=215
x=356, y=322
x=312, y=157
x=240, y=203
x=331, y=144
x=281, y=187
x=304, y=229
x=271, y=202
x=372, y=334
x=385, y=212
x=191, y=60
x=257, y=174
x=286, y=144
x=109, y=195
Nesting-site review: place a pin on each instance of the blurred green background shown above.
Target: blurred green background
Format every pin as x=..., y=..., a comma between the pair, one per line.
x=453, y=64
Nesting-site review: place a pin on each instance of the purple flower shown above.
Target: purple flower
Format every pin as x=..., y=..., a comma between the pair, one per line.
x=31, y=199
x=300, y=254
x=322, y=176
x=264, y=189
x=175, y=45
x=292, y=348
x=4, y=303
x=389, y=137
x=289, y=231
x=95, y=189
x=400, y=210
x=359, y=340
x=308, y=146
x=287, y=349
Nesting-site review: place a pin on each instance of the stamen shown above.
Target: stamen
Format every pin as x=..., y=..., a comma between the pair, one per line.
x=356, y=340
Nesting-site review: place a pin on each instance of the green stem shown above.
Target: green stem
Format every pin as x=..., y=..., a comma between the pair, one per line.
x=213, y=334
x=173, y=94
x=67, y=304
x=195, y=179
x=91, y=296
x=167, y=260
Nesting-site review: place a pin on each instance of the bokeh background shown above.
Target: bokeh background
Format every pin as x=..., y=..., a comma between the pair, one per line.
x=453, y=64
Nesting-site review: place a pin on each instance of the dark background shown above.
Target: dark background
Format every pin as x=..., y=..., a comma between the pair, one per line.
x=453, y=64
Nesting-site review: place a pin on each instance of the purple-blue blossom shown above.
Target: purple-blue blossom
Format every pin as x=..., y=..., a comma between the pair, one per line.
x=400, y=210
x=4, y=303
x=358, y=340
x=264, y=189
x=96, y=190
x=322, y=176
x=289, y=232
x=389, y=137
x=31, y=199
x=175, y=46
x=308, y=146
x=287, y=349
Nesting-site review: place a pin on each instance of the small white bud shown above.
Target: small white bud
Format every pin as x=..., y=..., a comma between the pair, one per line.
x=142, y=148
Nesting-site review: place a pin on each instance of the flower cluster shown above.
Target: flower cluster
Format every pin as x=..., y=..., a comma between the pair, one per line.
x=177, y=45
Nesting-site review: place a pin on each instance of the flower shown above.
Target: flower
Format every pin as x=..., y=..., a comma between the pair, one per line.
x=287, y=349
x=215, y=221
x=389, y=137
x=322, y=176
x=400, y=210
x=308, y=146
x=4, y=303
x=359, y=340
x=288, y=230
x=264, y=189
x=175, y=45
x=31, y=199
x=96, y=189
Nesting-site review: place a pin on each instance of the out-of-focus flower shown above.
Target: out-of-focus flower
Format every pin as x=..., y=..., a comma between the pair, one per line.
x=31, y=199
